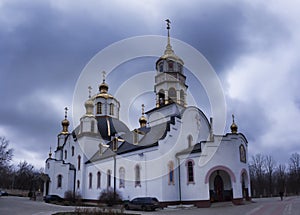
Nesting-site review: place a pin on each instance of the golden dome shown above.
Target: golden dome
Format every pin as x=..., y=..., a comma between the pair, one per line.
x=65, y=123
x=233, y=127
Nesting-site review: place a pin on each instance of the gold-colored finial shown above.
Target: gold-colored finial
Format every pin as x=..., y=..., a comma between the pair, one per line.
x=233, y=127
x=143, y=120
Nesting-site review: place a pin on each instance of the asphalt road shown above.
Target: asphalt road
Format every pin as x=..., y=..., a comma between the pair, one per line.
x=271, y=206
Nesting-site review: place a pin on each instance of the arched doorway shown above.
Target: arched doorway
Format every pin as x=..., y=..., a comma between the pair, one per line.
x=220, y=186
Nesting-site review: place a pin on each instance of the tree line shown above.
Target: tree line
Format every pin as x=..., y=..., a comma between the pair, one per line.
x=269, y=178
x=22, y=176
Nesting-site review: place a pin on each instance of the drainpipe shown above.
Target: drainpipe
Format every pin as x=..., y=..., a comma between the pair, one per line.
x=179, y=181
x=74, y=185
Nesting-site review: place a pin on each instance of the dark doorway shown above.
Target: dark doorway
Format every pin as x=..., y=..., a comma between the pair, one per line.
x=47, y=187
x=218, y=188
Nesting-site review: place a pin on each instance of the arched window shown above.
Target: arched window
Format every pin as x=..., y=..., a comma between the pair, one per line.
x=90, y=180
x=78, y=184
x=66, y=154
x=73, y=150
x=59, y=181
x=92, y=126
x=78, y=162
x=171, y=172
x=190, y=171
x=98, y=179
x=121, y=177
x=190, y=140
x=99, y=108
x=137, y=175
x=172, y=95
x=111, y=109
x=108, y=178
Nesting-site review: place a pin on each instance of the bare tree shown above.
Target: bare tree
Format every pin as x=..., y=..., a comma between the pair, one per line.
x=6, y=153
x=269, y=164
x=6, y=170
x=281, y=177
x=257, y=170
x=294, y=175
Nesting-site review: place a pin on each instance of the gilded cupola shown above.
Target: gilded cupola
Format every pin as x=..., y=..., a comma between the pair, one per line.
x=233, y=127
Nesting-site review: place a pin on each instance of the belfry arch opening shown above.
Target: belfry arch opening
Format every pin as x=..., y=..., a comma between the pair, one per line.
x=172, y=95
x=161, y=98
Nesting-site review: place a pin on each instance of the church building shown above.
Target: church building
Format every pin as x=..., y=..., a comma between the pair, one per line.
x=173, y=155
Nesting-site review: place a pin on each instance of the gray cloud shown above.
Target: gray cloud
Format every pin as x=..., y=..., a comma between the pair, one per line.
x=44, y=46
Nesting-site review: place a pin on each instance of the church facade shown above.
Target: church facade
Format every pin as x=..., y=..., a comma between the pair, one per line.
x=173, y=156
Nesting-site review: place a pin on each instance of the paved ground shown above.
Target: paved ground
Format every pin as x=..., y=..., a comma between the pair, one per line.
x=23, y=206
x=270, y=206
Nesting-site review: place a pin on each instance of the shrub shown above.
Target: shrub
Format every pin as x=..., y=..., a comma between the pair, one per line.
x=70, y=197
x=109, y=197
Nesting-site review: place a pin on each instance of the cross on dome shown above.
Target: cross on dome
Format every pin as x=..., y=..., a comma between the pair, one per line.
x=90, y=91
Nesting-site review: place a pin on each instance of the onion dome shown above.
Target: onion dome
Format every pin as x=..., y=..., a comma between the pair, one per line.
x=143, y=119
x=103, y=89
x=65, y=123
x=233, y=127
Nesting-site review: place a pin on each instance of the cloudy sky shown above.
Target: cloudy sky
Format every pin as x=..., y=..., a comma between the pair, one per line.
x=252, y=45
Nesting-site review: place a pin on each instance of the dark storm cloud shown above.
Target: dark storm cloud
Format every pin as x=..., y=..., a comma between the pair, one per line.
x=45, y=45
x=224, y=30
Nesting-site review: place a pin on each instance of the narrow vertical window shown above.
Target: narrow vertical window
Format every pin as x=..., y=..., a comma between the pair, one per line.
x=99, y=108
x=73, y=150
x=170, y=64
x=78, y=162
x=108, y=178
x=190, y=171
x=171, y=172
x=122, y=177
x=66, y=154
x=137, y=176
x=190, y=140
x=111, y=109
x=78, y=184
x=59, y=181
x=90, y=180
x=98, y=180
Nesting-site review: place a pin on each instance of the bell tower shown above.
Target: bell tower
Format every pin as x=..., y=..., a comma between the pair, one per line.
x=170, y=84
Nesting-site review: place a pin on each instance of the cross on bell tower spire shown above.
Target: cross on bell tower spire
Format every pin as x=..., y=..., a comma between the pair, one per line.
x=169, y=49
